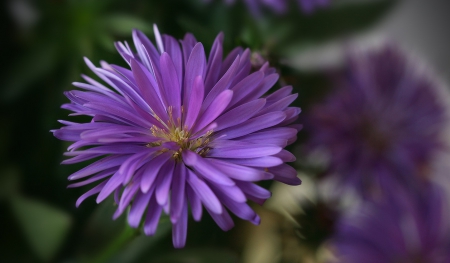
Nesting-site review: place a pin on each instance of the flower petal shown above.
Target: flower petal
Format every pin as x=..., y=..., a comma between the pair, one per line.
x=214, y=110
x=178, y=191
x=91, y=192
x=152, y=218
x=205, y=193
x=179, y=230
x=163, y=182
x=239, y=114
x=196, y=205
x=137, y=210
x=204, y=168
x=254, y=124
x=152, y=169
x=195, y=103
x=246, y=151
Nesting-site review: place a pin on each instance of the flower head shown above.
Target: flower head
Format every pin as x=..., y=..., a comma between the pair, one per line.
x=178, y=129
x=382, y=126
x=406, y=230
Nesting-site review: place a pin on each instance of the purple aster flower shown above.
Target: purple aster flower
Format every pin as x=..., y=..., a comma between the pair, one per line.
x=178, y=129
x=382, y=126
x=406, y=230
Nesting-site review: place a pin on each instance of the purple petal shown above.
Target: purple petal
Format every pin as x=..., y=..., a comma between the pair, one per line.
x=187, y=45
x=179, y=230
x=254, y=124
x=178, y=192
x=127, y=89
x=163, y=182
x=158, y=39
x=91, y=192
x=263, y=87
x=279, y=94
x=151, y=171
x=127, y=75
x=265, y=161
x=240, y=172
x=134, y=162
x=125, y=199
x=114, y=130
x=285, y=156
x=98, y=166
x=134, y=139
x=214, y=63
x=244, y=67
x=119, y=113
x=203, y=167
x=273, y=133
x=145, y=48
x=222, y=85
x=254, y=190
x=137, y=210
x=247, y=151
x=223, y=220
x=279, y=105
x=196, y=205
x=173, y=49
x=240, y=209
x=81, y=158
x=67, y=135
x=152, y=218
x=194, y=67
x=285, y=174
x=231, y=57
x=195, y=102
x=214, y=110
x=232, y=192
x=100, y=175
x=205, y=194
x=239, y=114
x=124, y=51
x=245, y=87
x=115, y=181
x=171, y=82
x=148, y=90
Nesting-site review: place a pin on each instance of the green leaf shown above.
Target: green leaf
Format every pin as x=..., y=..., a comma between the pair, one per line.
x=44, y=227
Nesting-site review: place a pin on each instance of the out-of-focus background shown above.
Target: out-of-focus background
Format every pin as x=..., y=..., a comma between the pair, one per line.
x=42, y=48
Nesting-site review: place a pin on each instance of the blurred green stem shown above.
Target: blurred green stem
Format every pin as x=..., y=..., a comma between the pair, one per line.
x=127, y=235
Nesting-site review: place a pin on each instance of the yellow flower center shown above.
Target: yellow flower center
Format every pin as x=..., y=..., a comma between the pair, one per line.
x=172, y=132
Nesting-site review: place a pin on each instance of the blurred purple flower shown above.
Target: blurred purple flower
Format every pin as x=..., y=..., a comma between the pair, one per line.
x=179, y=128
x=405, y=230
x=281, y=6
x=382, y=126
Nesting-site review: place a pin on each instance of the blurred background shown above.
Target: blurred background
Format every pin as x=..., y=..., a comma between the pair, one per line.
x=42, y=52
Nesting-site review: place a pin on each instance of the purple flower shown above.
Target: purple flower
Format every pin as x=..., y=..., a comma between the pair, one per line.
x=382, y=126
x=406, y=230
x=181, y=129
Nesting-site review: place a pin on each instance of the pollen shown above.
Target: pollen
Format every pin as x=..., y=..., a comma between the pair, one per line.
x=173, y=132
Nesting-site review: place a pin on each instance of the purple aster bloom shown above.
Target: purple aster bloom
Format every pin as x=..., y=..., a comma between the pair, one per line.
x=383, y=124
x=406, y=230
x=178, y=129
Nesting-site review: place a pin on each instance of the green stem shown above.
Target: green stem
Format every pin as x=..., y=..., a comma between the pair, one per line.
x=127, y=235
